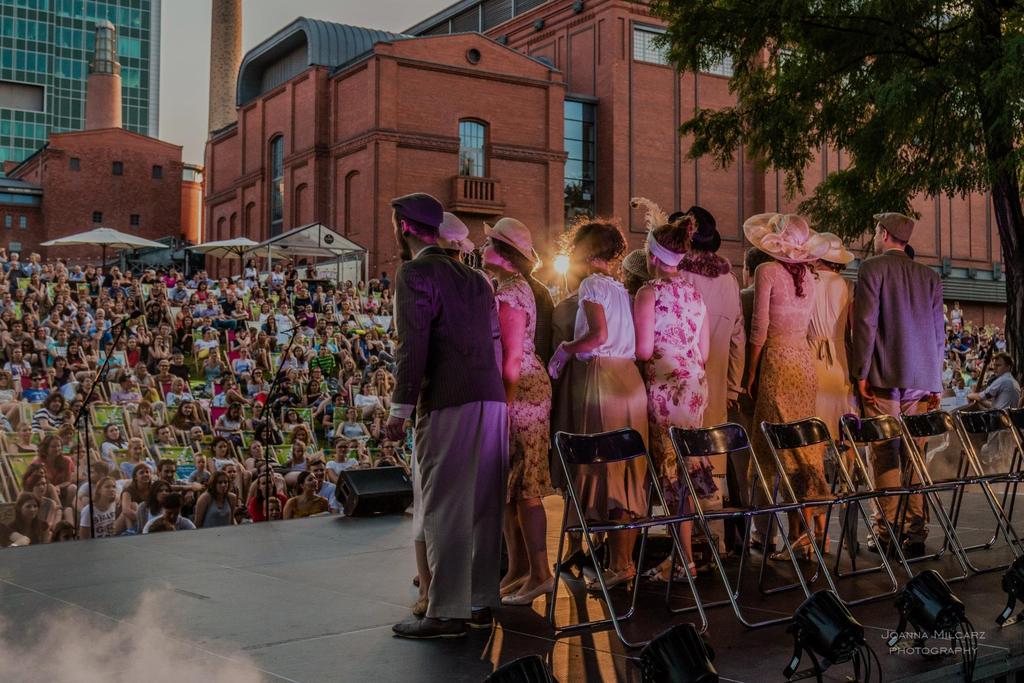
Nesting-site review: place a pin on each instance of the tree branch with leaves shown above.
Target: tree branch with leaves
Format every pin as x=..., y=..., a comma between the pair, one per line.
x=923, y=97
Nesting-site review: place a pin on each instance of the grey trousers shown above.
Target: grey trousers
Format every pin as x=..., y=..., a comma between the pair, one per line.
x=461, y=466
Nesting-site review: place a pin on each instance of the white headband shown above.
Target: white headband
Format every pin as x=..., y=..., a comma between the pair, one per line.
x=666, y=256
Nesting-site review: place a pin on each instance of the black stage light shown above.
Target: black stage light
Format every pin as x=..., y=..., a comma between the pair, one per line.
x=927, y=604
x=1013, y=584
x=824, y=626
x=678, y=655
x=529, y=669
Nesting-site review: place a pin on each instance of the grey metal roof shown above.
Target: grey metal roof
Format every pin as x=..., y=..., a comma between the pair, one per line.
x=513, y=8
x=11, y=184
x=326, y=43
x=444, y=15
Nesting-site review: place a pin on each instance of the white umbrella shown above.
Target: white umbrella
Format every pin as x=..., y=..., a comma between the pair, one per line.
x=232, y=248
x=105, y=238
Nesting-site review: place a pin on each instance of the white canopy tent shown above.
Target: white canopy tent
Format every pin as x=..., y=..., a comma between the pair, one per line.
x=104, y=238
x=316, y=241
x=234, y=248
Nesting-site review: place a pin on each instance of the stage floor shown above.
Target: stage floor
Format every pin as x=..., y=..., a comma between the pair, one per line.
x=314, y=600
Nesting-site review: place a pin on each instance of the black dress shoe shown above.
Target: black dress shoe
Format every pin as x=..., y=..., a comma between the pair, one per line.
x=482, y=618
x=914, y=549
x=429, y=627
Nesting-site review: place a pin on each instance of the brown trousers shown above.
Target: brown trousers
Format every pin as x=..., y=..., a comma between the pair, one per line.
x=887, y=460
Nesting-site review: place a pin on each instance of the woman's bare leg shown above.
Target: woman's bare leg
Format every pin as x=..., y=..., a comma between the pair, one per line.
x=533, y=522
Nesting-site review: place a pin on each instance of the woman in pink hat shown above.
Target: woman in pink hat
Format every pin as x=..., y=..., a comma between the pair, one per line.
x=509, y=257
x=781, y=377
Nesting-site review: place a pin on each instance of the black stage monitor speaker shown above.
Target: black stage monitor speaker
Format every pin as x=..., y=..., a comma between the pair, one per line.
x=377, y=491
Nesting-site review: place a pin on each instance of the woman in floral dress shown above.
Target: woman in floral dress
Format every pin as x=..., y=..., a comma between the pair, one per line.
x=673, y=335
x=508, y=255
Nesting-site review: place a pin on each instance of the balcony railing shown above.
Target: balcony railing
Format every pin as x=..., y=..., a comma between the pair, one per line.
x=482, y=196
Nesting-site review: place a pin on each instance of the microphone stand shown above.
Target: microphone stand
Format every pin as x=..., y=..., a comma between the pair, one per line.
x=268, y=417
x=83, y=427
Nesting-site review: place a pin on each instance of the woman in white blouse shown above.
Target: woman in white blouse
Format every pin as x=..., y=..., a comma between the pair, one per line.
x=614, y=394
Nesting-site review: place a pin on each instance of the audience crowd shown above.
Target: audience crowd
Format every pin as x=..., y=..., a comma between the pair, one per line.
x=178, y=426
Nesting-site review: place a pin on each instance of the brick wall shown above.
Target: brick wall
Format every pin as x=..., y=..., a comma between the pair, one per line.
x=14, y=237
x=388, y=126
x=71, y=197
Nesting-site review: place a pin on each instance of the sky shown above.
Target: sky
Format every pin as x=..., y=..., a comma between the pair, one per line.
x=185, y=50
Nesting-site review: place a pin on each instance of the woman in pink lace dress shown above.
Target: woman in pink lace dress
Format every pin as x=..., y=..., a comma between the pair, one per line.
x=781, y=376
x=673, y=336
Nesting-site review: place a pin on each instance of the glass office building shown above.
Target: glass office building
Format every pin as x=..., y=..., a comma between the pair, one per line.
x=45, y=49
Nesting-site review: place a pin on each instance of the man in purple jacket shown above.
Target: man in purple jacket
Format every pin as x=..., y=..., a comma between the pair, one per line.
x=898, y=347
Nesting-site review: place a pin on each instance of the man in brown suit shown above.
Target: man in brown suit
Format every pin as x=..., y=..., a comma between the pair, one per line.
x=898, y=347
x=447, y=371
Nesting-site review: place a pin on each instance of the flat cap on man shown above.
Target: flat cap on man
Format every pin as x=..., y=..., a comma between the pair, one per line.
x=896, y=224
x=419, y=207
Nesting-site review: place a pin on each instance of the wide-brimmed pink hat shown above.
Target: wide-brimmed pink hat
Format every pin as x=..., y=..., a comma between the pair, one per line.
x=837, y=251
x=785, y=237
x=515, y=234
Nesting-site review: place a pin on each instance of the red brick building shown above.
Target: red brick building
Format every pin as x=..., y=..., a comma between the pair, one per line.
x=103, y=176
x=365, y=115
x=334, y=120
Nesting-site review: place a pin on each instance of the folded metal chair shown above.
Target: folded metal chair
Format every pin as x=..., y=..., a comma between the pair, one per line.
x=938, y=423
x=993, y=424
x=596, y=451
x=723, y=440
x=806, y=433
x=844, y=493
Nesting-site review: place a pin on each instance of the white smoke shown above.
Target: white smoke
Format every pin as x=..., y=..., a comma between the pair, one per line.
x=70, y=647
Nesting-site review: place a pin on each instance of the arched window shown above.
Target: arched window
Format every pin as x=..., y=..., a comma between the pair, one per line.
x=220, y=228
x=472, y=137
x=276, y=185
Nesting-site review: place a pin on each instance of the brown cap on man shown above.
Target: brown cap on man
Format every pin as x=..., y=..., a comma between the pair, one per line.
x=896, y=224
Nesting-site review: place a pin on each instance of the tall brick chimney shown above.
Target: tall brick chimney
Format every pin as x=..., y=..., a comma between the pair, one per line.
x=103, y=89
x=225, y=58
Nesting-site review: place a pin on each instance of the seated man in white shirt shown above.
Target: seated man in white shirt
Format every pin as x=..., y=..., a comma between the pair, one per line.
x=170, y=510
x=1001, y=393
x=326, y=488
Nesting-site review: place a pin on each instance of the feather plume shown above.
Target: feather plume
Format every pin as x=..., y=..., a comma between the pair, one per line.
x=655, y=215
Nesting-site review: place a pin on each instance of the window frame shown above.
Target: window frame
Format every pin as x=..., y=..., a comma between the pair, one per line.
x=117, y=168
x=650, y=54
x=478, y=154
x=99, y=220
x=587, y=161
x=275, y=196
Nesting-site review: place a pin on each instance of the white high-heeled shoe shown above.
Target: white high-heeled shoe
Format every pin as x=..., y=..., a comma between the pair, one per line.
x=527, y=598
